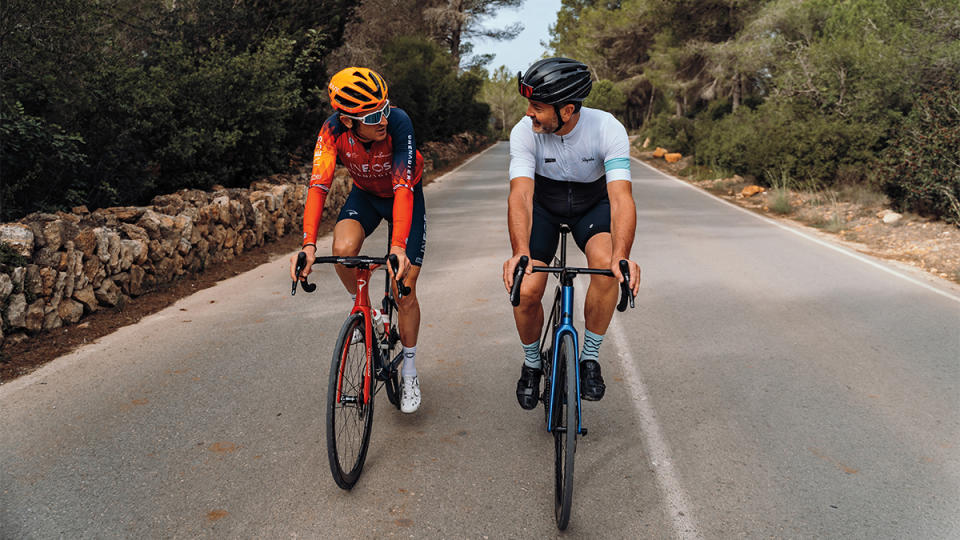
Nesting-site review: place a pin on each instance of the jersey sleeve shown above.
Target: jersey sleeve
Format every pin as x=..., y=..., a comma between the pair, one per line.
x=404, y=170
x=616, y=160
x=523, y=151
x=324, y=163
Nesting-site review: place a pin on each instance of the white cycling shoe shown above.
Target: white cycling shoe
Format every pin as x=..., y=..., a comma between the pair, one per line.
x=409, y=394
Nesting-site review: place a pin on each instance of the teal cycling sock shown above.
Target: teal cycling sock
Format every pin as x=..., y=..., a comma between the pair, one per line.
x=591, y=346
x=531, y=354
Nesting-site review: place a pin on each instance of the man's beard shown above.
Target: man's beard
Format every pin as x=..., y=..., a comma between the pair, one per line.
x=543, y=128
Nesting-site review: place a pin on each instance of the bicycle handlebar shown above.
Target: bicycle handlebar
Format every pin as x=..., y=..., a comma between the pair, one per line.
x=517, y=278
x=301, y=264
x=350, y=262
x=625, y=293
x=402, y=290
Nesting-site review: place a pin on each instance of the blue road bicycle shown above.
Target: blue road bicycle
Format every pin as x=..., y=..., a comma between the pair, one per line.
x=561, y=368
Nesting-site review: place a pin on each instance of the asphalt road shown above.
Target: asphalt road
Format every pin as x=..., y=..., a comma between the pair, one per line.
x=768, y=385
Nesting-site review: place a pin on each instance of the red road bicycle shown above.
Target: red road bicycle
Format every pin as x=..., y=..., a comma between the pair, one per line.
x=363, y=363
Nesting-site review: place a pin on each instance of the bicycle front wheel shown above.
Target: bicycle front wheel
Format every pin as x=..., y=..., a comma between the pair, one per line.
x=349, y=414
x=565, y=429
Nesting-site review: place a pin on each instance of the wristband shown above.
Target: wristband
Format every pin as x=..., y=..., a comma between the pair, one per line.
x=305, y=245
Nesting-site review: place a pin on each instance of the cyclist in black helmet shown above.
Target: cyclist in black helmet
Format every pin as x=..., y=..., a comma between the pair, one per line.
x=568, y=164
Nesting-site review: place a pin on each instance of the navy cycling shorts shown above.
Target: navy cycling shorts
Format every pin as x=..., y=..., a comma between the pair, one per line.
x=545, y=232
x=369, y=209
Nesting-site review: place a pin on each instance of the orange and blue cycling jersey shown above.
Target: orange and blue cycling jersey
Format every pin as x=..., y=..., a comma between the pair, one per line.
x=387, y=168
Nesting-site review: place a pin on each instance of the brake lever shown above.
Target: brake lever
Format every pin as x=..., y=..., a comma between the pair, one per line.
x=518, y=273
x=402, y=290
x=301, y=264
x=625, y=291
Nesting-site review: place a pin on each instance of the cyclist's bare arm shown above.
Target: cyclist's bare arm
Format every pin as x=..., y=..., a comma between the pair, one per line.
x=623, y=226
x=519, y=222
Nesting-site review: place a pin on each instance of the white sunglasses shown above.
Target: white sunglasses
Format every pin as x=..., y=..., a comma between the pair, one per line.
x=375, y=117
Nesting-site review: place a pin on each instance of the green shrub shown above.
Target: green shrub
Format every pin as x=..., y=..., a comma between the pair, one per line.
x=921, y=170
x=606, y=96
x=780, y=136
x=675, y=133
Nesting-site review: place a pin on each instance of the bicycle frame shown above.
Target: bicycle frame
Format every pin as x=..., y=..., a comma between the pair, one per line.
x=362, y=305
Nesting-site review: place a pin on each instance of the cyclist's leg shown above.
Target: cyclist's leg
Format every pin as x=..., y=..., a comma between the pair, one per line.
x=358, y=218
x=528, y=315
x=409, y=306
x=592, y=234
x=409, y=313
x=544, y=239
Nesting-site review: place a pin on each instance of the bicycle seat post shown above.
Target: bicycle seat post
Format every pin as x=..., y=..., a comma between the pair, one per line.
x=564, y=229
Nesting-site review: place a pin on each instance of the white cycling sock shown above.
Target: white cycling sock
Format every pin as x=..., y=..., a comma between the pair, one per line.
x=409, y=362
x=531, y=354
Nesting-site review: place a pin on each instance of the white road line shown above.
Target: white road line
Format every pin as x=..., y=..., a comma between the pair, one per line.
x=675, y=501
x=802, y=234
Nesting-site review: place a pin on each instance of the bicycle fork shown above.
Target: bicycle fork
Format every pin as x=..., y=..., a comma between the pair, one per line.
x=565, y=327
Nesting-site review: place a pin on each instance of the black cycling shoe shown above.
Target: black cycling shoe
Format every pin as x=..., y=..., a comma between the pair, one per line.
x=528, y=387
x=591, y=382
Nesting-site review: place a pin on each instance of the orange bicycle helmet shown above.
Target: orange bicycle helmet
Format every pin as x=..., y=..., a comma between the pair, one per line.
x=357, y=90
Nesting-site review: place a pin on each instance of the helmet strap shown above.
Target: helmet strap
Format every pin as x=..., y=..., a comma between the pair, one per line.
x=559, y=118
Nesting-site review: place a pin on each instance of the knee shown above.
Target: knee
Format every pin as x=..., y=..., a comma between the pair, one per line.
x=345, y=247
x=409, y=301
x=529, y=301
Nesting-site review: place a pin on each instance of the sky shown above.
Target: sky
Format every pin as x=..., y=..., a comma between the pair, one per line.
x=525, y=49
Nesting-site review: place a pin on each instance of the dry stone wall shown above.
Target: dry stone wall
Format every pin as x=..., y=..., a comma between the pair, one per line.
x=67, y=265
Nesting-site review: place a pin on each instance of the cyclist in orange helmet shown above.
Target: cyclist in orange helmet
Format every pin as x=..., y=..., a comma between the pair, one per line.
x=376, y=143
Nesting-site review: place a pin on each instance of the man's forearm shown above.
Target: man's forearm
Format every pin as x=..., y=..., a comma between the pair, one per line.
x=519, y=220
x=623, y=226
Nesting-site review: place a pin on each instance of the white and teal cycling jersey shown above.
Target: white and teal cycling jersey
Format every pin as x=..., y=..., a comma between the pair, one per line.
x=597, y=147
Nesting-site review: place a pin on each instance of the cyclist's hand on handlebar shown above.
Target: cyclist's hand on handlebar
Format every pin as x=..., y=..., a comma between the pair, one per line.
x=311, y=252
x=510, y=265
x=634, y=274
x=402, y=259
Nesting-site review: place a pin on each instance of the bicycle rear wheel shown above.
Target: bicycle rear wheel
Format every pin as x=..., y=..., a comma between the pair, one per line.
x=565, y=429
x=349, y=418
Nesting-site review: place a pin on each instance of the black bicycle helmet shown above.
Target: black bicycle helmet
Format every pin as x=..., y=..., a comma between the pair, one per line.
x=555, y=81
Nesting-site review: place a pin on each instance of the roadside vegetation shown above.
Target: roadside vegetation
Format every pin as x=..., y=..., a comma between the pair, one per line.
x=828, y=94
x=107, y=103
x=134, y=99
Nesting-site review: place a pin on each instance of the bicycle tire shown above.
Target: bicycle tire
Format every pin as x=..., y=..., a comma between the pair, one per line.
x=565, y=429
x=392, y=384
x=349, y=420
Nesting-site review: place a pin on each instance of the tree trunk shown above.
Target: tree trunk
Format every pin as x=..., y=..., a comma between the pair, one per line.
x=455, y=32
x=736, y=91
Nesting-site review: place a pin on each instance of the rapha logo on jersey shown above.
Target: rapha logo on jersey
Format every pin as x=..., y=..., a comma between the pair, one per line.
x=352, y=212
x=587, y=159
x=348, y=154
x=549, y=160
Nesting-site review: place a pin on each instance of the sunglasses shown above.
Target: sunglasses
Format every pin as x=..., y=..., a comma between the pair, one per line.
x=375, y=117
x=525, y=89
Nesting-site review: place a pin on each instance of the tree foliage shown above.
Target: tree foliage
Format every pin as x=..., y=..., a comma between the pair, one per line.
x=441, y=102
x=922, y=166
x=817, y=89
x=135, y=98
x=506, y=104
